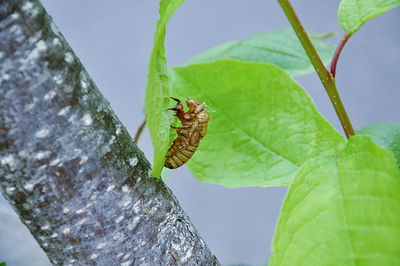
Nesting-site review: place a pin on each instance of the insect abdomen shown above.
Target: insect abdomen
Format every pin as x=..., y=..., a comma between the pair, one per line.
x=178, y=154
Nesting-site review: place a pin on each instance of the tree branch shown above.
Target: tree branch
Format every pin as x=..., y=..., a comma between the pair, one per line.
x=67, y=164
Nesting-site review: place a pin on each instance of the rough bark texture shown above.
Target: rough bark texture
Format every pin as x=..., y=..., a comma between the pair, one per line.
x=68, y=165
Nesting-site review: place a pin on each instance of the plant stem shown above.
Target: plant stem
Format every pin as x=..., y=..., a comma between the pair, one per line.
x=325, y=76
x=140, y=129
x=339, y=49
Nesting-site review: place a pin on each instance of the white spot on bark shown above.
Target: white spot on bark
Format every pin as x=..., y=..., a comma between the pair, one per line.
x=66, y=231
x=72, y=118
x=27, y=6
x=137, y=203
x=101, y=246
x=119, y=219
x=66, y=210
x=85, y=97
x=94, y=256
x=93, y=197
x=10, y=190
x=117, y=236
x=10, y=161
x=80, y=211
x=82, y=221
x=118, y=131
x=42, y=154
x=14, y=16
x=127, y=263
x=28, y=187
x=127, y=203
x=143, y=243
x=54, y=28
x=68, y=57
x=89, y=205
x=50, y=95
x=58, y=79
x=84, y=84
x=5, y=76
x=29, y=107
x=125, y=189
x=41, y=46
x=135, y=248
x=55, y=162
x=64, y=111
x=134, y=223
x=110, y=188
x=84, y=159
x=56, y=42
x=127, y=256
x=111, y=140
x=120, y=255
x=87, y=119
x=41, y=133
x=45, y=227
x=133, y=161
x=54, y=235
x=23, y=154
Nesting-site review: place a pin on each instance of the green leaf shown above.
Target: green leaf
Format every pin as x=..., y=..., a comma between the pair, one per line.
x=386, y=135
x=3, y=264
x=281, y=48
x=342, y=210
x=354, y=13
x=158, y=91
x=263, y=125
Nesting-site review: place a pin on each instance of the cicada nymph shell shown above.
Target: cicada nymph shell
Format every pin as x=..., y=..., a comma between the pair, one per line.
x=193, y=129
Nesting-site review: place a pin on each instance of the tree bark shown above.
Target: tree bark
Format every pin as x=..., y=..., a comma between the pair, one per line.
x=67, y=164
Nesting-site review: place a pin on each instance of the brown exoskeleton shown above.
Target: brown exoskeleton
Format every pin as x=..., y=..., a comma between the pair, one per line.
x=193, y=129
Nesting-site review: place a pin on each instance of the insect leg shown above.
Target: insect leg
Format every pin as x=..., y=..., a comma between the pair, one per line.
x=182, y=127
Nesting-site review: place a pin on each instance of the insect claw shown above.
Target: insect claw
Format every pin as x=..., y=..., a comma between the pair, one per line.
x=175, y=99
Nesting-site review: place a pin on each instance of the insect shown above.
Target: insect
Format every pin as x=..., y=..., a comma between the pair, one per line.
x=193, y=129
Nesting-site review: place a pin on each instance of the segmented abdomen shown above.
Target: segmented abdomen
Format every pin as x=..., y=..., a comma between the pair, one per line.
x=178, y=153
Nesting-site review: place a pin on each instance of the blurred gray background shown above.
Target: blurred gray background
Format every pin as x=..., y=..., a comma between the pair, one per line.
x=113, y=39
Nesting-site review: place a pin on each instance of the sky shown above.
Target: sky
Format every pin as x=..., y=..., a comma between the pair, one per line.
x=114, y=41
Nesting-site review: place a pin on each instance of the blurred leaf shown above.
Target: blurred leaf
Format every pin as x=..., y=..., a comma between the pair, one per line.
x=158, y=91
x=281, y=48
x=354, y=13
x=264, y=125
x=3, y=264
x=386, y=135
x=322, y=36
x=342, y=210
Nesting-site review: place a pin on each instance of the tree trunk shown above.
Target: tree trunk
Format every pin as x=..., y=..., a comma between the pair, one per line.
x=67, y=164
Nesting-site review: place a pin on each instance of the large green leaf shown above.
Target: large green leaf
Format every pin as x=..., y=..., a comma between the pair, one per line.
x=263, y=125
x=386, y=135
x=281, y=48
x=342, y=210
x=354, y=13
x=158, y=91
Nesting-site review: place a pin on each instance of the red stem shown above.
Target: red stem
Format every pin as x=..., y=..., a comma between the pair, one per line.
x=140, y=129
x=339, y=49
